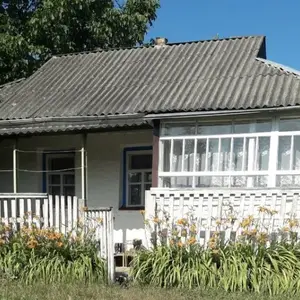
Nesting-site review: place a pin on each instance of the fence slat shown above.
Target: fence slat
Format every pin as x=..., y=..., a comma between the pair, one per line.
x=63, y=214
x=22, y=216
x=51, y=213
x=75, y=212
x=45, y=213
x=29, y=213
x=37, y=217
x=13, y=214
x=69, y=200
x=6, y=217
x=57, y=213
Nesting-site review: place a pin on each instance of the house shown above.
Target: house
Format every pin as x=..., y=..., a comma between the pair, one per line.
x=106, y=126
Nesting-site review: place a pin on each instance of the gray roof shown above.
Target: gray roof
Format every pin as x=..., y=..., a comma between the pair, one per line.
x=219, y=74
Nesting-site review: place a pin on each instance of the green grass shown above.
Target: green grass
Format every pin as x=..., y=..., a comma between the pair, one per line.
x=18, y=291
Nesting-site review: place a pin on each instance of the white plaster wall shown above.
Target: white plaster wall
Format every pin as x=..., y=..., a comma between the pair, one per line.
x=104, y=173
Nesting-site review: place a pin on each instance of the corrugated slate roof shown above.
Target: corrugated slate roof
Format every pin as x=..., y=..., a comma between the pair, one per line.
x=205, y=75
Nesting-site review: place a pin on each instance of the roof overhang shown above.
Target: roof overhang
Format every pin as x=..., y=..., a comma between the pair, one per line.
x=215, y=113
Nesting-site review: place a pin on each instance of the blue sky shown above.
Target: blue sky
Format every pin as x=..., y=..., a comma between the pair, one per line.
x=279, y=20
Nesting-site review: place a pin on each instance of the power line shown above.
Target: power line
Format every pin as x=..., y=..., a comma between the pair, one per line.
x=43, y=171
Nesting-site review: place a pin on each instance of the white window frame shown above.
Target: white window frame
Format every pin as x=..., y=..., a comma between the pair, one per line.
x=142, y=183
x=274, y=136
x=49, y=157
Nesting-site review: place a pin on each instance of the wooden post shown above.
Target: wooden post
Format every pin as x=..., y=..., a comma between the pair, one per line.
x=15, y=162
x=83, y=167
x=155, y=153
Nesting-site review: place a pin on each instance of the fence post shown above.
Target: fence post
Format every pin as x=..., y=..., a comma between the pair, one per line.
x=110, y=246
x=150, y=213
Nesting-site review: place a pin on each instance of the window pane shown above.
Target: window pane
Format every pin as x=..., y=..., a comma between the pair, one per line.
x=241, y=127
x=69, y=191
x=263, y=126
x=148, y=177
x=249, y=181
x=212, y=129
x=61, y=163
x=288, y=181
x=237, y=154
x=178, y=129
x=140, y=161
x=135, y=194
x=260, y=181
x=54, y=190
x=238, y=181
x=189, y=155
x=69, y=179
x=54, y=179
x=225, y=154
x=213, y=152
x=284, y=153
x=201, y=155
x=289, y=125
x=135, y=177
x=263, y=153
x=296, y=160
x=177, y=182
x=177, y=156
x=212, y=181
x=166, y=148
x=147, y=187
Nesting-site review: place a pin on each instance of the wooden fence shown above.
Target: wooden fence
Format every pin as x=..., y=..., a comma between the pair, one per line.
x=224, y=211
x=62, y=214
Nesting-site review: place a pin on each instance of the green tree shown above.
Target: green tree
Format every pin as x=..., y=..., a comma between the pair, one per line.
x=33, y=30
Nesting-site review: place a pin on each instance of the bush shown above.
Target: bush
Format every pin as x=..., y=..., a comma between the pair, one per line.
x=33, y=254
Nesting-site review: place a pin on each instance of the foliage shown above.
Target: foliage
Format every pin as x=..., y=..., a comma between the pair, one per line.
x=33, y=254
x=32, y=31
x=253, y=262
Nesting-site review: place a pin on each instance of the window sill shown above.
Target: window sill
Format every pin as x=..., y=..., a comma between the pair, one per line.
x=132, y=208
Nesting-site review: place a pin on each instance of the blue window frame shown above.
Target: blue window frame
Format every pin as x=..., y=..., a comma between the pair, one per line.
x=137, y=176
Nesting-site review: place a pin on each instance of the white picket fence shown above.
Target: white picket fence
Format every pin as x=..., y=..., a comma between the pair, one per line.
x=211, y=208
x=62, y=214
x=102, y=221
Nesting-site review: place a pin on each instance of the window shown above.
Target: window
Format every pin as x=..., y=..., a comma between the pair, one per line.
x=138, y=177
x=60, y=175
x=288, y=158
x=220, y=154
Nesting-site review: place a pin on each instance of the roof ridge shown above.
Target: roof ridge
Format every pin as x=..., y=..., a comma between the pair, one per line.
x=152, y=46
x=278, y=66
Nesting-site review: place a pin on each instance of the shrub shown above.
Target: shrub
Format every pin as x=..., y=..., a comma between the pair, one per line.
x=34, y=254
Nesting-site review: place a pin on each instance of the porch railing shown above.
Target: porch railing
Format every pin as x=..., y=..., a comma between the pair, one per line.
x=224, y=210
x=63, y=214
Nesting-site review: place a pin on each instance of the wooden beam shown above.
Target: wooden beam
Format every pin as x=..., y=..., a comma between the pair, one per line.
x=83, y=167
x=15, y=163
x=155, y=153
